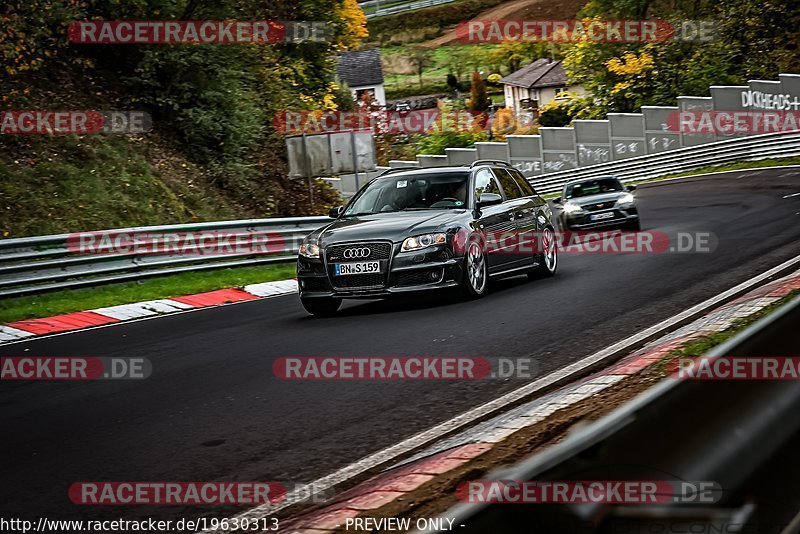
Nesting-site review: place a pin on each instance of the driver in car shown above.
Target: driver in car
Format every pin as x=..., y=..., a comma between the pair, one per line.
x=405, y=197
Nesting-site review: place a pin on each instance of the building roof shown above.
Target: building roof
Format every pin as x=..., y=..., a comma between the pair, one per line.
x=360, y=68
x=541, y=73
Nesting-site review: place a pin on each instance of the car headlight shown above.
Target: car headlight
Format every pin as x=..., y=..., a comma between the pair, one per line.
x=571, y=207
x=625, y=198
x=309, y=250
x=422, y=241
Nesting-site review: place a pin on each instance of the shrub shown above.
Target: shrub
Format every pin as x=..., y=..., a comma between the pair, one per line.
x=478, y=99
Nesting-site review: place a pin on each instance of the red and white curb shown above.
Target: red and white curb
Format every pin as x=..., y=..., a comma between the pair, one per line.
x=20, y=330
x=453, y=452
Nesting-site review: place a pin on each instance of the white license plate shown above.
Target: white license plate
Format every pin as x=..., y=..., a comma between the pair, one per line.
x=601, y=216
x=361, y=267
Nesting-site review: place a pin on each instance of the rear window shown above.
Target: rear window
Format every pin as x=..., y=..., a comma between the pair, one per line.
x=527, y=188
x=508, y=184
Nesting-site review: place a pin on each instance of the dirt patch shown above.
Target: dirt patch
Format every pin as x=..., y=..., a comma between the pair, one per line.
x=437, y=495
x=518, y=9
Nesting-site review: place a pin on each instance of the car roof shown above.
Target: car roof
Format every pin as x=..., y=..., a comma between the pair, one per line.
x=425, y=170
x=581, y=180
x=444, y=169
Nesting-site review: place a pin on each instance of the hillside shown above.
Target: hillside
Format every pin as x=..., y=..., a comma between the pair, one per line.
x=517, y=9
x=211, y=154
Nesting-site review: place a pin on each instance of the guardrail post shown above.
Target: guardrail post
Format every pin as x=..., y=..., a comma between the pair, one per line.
x=627, y=135
x=790, y=87
x=558, y=149
x=425, y=160
x=695, y=104
x=592, y=142
x=460, y=156
x=395, y=163
x=728, y=98
x=492, y=150
x=525, y=153
x=657, y=135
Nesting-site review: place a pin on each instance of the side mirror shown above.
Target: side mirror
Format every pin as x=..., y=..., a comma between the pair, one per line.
x=631, y=188
x=489, y=199
x=557, y=200
x=335, y=212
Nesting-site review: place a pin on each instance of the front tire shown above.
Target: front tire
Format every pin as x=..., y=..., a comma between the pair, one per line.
x=548, y=259
x=321, y=307
x=476, y=271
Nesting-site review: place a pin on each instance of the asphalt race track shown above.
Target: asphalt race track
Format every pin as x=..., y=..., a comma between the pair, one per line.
x=213, y=410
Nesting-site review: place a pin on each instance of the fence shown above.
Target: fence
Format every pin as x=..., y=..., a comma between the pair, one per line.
x=36, y=264
x=392, y=9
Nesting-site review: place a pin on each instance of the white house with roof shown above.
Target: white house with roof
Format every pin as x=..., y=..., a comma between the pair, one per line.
x=363, y=72
x=536, y=85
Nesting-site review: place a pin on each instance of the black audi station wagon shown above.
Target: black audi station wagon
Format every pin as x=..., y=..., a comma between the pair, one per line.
x=413, y=229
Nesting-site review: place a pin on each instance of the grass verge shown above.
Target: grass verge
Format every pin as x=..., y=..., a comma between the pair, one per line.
x=174, y=285
x=701, y=346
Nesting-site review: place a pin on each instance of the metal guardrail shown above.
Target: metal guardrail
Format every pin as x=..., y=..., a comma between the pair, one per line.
x=43, y=263
x=413, y=6
x=786, y=144
x=737, y=433
x=37, y=264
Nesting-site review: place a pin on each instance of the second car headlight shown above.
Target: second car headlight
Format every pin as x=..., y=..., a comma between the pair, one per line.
x=625, y=198
x=570, y=207
x=422, y=241
x=309, y=250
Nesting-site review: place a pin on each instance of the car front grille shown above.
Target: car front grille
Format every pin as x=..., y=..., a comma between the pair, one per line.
x=599, y=206
x=377, y=251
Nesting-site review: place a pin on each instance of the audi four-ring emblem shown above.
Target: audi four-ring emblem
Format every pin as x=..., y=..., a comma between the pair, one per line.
x=355, y=253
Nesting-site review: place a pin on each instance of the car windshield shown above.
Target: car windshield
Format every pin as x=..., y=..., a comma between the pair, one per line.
x=593, y=187
x=411, y=192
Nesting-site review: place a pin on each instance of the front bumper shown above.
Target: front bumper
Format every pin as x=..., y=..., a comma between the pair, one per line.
x=435, y=267
x=583, y=221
